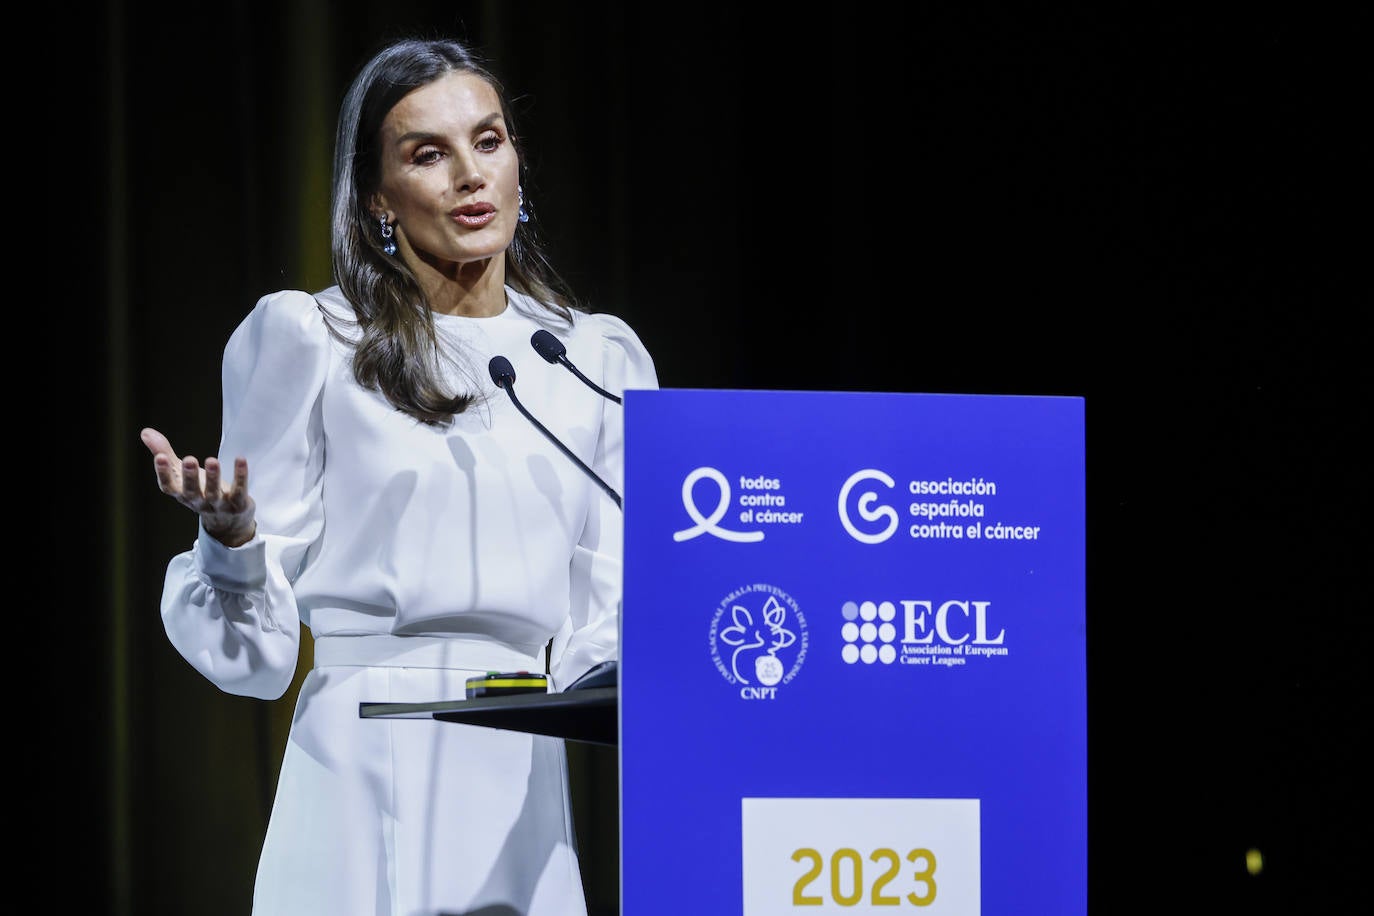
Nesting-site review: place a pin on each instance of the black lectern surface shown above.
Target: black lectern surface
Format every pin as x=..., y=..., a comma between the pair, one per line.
x=587, y=714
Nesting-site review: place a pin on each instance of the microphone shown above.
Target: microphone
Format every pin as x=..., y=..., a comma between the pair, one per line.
x=553, y=351
x=503, y=374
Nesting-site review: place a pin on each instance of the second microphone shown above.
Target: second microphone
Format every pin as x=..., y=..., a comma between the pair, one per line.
x=503, y=374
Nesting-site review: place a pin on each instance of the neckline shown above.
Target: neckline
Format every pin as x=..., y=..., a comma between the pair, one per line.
x=504, y=313
x=445, y=316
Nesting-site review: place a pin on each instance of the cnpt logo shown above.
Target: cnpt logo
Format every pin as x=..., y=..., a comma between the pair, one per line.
x=865, y=507
x=758, y=640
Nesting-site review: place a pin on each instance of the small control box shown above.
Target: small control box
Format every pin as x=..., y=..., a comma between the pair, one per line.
x=506, y=683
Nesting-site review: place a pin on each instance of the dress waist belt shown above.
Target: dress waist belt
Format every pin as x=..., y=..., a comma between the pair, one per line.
x=457, y=652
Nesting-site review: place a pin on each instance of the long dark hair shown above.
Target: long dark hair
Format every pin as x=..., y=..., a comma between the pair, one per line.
x=397, y=351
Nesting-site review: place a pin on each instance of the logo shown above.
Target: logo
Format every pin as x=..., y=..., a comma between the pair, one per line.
x=758, y=640
x=708, y=524
x=864, y=639
x=920, y=632
x=865, y=507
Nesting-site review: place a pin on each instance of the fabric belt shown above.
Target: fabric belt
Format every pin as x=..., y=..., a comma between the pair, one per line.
x=457, y=652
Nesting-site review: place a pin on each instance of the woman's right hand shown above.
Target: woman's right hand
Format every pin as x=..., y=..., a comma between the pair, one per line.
x=226, y=512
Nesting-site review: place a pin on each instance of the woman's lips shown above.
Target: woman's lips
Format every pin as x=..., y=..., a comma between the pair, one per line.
x=474, y=216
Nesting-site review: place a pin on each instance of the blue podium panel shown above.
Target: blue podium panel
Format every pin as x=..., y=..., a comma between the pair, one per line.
x=852, y=671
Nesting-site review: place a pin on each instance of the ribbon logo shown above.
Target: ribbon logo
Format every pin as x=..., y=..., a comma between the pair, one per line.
x=708, y=524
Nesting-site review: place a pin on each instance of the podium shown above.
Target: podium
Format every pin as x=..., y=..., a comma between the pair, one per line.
x=587, y=715
x=852, y=671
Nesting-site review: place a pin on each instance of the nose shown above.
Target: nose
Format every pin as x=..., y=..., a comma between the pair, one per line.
x=466, y=175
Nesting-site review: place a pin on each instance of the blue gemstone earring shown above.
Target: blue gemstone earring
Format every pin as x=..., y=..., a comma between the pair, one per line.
x=387, y=244
x=524, y=215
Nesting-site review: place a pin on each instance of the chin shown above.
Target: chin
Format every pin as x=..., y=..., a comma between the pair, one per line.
x=483, y=244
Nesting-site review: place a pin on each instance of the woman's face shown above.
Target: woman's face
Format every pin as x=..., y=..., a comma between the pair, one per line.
x=450, y=174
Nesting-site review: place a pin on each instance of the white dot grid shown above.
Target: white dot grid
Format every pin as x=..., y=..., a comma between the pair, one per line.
x=864, y=640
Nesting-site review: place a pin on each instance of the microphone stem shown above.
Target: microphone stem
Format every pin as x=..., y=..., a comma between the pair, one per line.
x=577, y=372
x=510, y=390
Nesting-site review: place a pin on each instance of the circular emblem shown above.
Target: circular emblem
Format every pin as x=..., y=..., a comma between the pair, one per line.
x=758, y=637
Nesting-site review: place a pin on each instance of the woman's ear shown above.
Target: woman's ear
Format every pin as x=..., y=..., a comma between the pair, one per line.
x=376, y=205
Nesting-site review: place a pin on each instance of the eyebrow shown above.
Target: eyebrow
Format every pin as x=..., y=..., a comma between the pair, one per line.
x=423, y=135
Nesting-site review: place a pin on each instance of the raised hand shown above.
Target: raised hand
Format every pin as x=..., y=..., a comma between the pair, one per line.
x=227, y=512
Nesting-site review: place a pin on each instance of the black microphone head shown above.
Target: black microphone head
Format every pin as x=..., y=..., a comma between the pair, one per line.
x=547, y=346
x=502, y=372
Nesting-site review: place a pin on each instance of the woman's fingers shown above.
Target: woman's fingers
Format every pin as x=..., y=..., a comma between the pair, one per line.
x=219, y=496
x=227, y=513
x=165, y=464
x=163, y=467
x=191, y=491
x=223, y=505
x=240, y=479
x=157, y=443
x=213, y=494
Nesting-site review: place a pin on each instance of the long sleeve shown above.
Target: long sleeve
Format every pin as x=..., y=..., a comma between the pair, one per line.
x=592, y=633
x=231, y=612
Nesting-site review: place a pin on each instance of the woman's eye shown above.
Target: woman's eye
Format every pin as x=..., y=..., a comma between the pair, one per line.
x=426, y=156
x=489, y=143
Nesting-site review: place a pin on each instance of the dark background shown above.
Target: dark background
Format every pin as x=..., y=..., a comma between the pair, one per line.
x=1141, y=205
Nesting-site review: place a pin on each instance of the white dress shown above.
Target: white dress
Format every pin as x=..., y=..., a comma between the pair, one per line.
x=417, y=556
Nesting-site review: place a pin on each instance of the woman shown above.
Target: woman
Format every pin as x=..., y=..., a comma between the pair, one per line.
x=402, y=509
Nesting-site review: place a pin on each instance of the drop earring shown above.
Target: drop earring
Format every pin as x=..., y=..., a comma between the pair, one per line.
x=524, y=215
x=387, y=244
